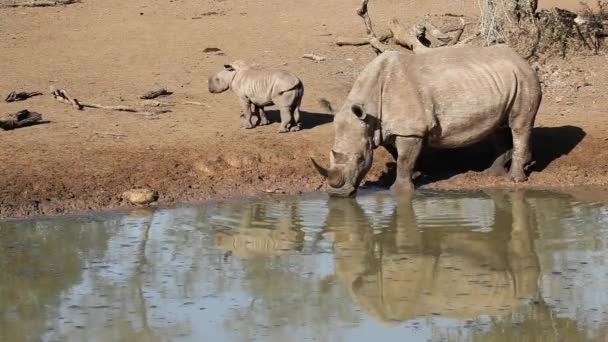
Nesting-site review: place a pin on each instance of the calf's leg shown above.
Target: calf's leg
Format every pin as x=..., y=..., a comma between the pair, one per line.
x=262, y=115
x=296, y=120
x=246, y=108
x=408, y=149
x=285, y=119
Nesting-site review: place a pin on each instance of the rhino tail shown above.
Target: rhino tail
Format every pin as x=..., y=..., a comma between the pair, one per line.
x=326, y=105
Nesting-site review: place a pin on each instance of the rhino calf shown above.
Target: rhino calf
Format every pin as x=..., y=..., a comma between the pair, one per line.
x=262, y=88
x=448, y=97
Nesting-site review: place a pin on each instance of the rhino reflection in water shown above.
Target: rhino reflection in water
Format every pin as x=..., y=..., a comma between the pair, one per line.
x=406, y=272
x=256, y=237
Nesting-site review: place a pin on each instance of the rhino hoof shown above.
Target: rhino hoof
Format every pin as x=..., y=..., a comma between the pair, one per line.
x=249, y=126
x=295, y=128
x=264, y=122
x=283, y=130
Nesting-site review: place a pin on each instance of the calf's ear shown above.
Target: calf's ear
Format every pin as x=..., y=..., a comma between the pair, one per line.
x=358, y=111
x=228, y=67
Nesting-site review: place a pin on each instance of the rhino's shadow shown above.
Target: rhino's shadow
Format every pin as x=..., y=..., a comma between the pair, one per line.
x=548, y=144
x=308, y=119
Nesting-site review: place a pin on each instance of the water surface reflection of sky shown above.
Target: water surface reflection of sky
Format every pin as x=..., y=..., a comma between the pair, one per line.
x=465, y=266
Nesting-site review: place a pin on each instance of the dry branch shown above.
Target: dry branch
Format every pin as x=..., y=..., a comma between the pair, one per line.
x=405, y=39
x=44, y=3
x=362, y=12
x=62, y=96
x=116, y=108
x=377, y=45
x=358, y=41
x=459, y=32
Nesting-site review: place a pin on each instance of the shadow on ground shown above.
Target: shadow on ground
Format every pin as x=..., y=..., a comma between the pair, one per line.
x=548, y=144
x=309, y=119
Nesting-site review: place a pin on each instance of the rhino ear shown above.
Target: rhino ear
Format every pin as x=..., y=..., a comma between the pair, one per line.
x=228, y=67
x=358, y=111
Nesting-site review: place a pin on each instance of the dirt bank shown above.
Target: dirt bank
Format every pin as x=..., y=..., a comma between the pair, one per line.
x=111, y=51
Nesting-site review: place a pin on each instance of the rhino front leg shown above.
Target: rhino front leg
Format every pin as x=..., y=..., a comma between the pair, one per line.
x=246, y=108
x=408, y=149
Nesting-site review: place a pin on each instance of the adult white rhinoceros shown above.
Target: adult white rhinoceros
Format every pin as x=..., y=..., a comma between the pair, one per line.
x=448, y=97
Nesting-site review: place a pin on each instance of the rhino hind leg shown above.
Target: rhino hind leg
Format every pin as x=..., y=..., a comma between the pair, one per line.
x=296, y=120
x=521, y=153
x=285, y=119
x=502, y=142
x=408, y=149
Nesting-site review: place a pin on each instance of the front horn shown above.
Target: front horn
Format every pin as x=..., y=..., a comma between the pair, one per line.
x=323, y=171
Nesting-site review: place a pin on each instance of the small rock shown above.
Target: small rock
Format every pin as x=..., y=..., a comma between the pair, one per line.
x=140, y=196
x=211, y=49
x=240, y=161
x=207, y=167
x=558, y=99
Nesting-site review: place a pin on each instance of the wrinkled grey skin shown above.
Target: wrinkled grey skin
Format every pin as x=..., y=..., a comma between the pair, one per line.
x=262, y=88
x=447, y=98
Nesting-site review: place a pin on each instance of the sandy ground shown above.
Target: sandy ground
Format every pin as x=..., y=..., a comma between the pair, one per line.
x=111, y=51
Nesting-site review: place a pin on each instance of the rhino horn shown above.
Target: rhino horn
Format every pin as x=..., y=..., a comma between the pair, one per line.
x=335, y=179
x=323, y=171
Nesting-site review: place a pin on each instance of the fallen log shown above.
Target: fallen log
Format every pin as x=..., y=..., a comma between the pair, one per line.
x=21, y=119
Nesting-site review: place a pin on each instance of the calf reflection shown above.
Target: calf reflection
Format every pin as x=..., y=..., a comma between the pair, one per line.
x=260, y=233
x=407, y=270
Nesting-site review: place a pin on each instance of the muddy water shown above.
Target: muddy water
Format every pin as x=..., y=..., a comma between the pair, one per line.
x=474, y=266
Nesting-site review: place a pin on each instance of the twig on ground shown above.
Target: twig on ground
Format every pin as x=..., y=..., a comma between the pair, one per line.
x=314, y=57
x=155, y=93
x=110, y=134
x=194, y=103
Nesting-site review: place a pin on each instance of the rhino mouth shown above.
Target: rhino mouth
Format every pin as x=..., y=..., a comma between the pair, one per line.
x=342, y=192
